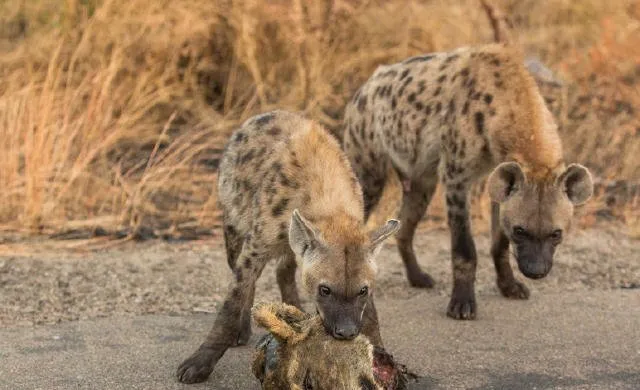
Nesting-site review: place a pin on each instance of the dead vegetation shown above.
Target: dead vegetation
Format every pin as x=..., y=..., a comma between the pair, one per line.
x=113, y=113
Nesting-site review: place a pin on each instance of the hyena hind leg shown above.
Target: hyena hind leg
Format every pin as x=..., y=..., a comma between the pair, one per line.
x=414, y=205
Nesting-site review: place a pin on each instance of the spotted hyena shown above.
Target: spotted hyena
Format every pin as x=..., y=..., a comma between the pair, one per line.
x=287, y=192
x=458, y=116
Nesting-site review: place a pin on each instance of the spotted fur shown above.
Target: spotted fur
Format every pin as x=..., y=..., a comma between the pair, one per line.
x=288, y=192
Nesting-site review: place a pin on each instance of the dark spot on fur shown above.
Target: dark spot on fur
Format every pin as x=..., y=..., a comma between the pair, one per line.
x=240, y=137
x=418, y=59
x=479, y=120
x=451, y=58
x=287, y=181
x=499, y=84
x=279, y=208
x=438, y=107
x=442, y=78
x=394, y=103
x=362, y=103
x=404, y=74
x=465, y=108
x=488, y=98
x=419, y=106
x=247, y=263
x=495, y=62
x=389, y=73
x=274, y=131
x=247, y=157
x=264, y=119
x=427, y=109
x=421, y=87
x=496, y=75
x=282, y=236
x=411, y=98
x=470, y=83
x=389, y=89
x=437, y=91
x=465, y=72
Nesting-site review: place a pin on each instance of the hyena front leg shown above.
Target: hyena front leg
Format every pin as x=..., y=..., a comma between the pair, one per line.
x=286, y=277
x=226, y=328
x=371, y=325
x=245, y=320
x=463, y=253
x=507, y=283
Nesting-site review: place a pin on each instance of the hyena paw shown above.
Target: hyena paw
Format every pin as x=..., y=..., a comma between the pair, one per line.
x=462, y=305
x=513, y=289
x=197, y=367
x=421, y=280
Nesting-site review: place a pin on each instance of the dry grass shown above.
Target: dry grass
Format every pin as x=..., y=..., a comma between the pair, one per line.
x=113, y=113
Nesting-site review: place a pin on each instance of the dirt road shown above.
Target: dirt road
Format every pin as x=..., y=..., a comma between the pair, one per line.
x=581, y=328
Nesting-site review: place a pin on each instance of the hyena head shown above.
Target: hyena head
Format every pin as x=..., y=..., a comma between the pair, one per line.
x=535, y=214
x=338, y=269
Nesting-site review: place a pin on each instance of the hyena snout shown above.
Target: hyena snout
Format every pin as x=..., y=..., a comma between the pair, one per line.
x=346, y=330
x=343, y=323
x=535, y=259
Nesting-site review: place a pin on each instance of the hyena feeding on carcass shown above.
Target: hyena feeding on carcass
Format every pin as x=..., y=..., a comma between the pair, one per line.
x=458, y=116
x=287, y=192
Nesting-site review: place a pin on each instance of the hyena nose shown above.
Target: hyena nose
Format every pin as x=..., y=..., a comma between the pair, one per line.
x=345, y=332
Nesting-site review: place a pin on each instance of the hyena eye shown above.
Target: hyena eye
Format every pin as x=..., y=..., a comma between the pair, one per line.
x=324, y=291
x=519, y=232
x=556, y=235
x=364, y=291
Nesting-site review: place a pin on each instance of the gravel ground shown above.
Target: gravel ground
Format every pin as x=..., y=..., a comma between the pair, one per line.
x=52, y=281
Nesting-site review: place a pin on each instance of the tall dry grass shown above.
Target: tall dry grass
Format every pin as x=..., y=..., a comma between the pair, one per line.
x=113, y=113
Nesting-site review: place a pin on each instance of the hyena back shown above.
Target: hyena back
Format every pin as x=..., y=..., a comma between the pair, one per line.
x=287, y=192
x=458, y=116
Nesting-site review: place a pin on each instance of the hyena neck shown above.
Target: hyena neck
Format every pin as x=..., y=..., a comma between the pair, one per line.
x=340, y=228
x=538, y=147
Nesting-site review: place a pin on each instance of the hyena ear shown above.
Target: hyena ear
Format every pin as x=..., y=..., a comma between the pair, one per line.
x=303, y=236
x=504, y=181
x=378, y=236
x=281, y=320
x=577, y=183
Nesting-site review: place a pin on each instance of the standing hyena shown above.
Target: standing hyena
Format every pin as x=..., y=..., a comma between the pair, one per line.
x=463, y=114
x=287, y=191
